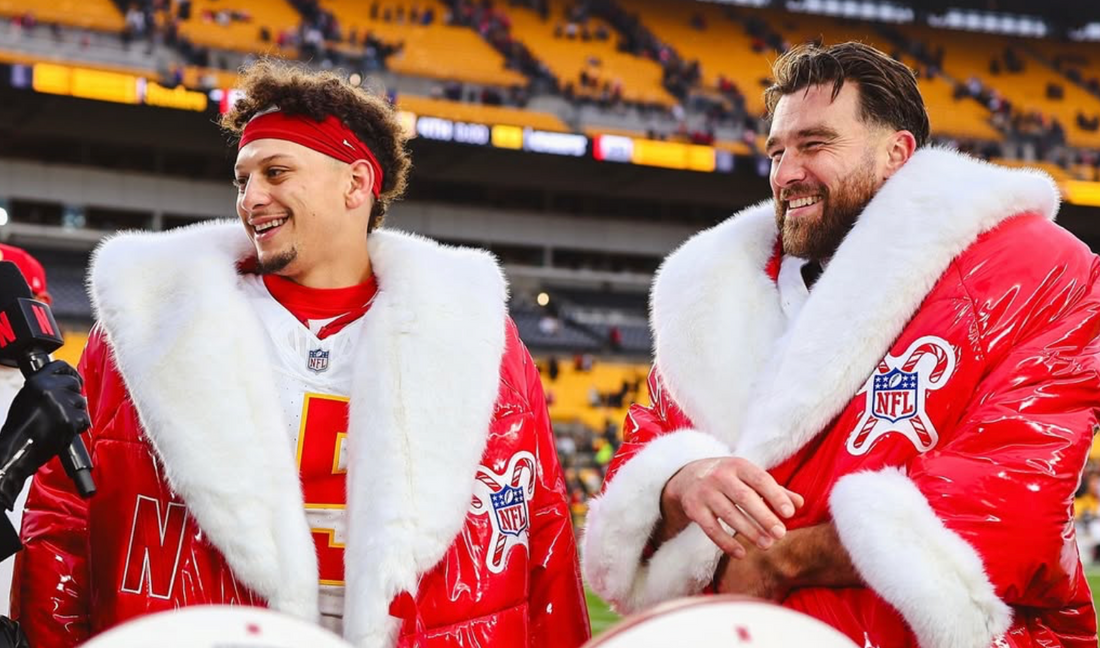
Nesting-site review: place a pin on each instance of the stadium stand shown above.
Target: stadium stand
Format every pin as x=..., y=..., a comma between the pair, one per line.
x=974, y=56
x=239, y=25
x=717, y=39
x=100, y=15
x=950, y=116
x=429, y=49
x=593, y=395
x=576, y=54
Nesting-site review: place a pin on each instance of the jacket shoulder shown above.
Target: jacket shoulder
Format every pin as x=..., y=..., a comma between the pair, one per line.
x=1024, y=276
x=1027, y=246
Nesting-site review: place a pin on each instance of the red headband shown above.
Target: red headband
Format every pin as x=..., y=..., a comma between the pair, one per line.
x=330, y=137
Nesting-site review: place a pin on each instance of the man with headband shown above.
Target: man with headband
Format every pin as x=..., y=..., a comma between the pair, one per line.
x=307, y=412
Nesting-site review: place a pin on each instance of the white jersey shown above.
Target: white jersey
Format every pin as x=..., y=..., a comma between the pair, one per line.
x=313, y=378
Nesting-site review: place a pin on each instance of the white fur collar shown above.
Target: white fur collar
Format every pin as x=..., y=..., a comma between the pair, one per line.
x=190, y=351
x=766, y=385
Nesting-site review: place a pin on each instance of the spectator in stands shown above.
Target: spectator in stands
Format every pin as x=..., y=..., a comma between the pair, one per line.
x=222, y=348
x=553, y=369
x=1086, y=511
x=873, y=340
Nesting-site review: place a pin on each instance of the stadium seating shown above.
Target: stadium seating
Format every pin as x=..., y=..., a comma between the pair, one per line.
x=437, y=50
x=101, y=15
x=723, y=47
x=969, y=54
x=949, y=116
x=567, y=58
x=572, y=391
x=239, y=35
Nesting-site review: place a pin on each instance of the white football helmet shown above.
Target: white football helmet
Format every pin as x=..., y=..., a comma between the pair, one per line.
x=720, y=622
x=217, y=626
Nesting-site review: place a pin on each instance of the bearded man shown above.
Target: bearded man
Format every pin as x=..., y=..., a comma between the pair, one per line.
x=872, y=397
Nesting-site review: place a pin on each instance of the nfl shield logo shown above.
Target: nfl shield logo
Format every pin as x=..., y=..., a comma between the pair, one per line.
x=895, y=395
x=511, y=510
x=318, y=360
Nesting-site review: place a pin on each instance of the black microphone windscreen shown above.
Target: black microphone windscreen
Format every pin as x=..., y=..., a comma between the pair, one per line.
x=13, y=285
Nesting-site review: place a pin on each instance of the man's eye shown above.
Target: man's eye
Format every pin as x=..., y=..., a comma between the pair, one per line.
x=813, y=145
x=239, y=183
x=275, y=173
x=775, y=155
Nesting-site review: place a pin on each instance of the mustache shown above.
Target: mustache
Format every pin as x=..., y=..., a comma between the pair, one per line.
x=803, y=189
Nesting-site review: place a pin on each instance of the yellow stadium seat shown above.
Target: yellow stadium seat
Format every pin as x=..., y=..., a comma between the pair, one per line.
x=566, y=58
x=968, y=55
x=101, y=15
x=572, y=388
x=438, y=50
x=275, y=15
x=963, y=118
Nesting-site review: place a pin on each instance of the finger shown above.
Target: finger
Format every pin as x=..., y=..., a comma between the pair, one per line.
x=60, y=368
x=710, y=526
x=71, y=383
x=797, y=499
x=744, y=523
x=753, y=506
x=766, y=487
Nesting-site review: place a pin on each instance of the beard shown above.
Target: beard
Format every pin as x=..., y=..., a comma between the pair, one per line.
x=818, y=239
x=276, y=263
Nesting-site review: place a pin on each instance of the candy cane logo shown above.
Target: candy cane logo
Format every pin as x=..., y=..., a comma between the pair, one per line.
x=505, y=499
x=896, y=394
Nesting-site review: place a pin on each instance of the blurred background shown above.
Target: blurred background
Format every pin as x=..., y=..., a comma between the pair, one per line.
x=578, y=140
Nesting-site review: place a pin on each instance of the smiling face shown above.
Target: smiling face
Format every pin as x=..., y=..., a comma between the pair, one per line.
x=827, y=164
x=294, y=204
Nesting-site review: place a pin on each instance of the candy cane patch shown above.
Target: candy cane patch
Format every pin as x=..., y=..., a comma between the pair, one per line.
x=505, y=499
x=896, y=394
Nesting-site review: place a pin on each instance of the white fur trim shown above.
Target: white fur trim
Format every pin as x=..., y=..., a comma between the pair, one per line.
x=926, y=571
x=190, y=351
x=713, y=330
x=428, y=378
x=623, y=518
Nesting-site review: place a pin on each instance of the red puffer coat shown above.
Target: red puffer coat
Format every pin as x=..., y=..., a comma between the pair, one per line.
x=199, y=498
x=934, y=396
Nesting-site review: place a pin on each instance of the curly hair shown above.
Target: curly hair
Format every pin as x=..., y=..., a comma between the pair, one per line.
x=297, y=90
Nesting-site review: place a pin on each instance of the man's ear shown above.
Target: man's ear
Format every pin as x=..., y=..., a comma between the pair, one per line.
x=900, y=146
x=358, y=191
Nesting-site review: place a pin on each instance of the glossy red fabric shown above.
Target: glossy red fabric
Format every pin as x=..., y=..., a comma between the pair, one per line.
x=79, y=574
x=1022, y=308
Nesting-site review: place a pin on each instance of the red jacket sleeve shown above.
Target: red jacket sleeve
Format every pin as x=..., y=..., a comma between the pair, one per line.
x=557, y=608
x=51, y=589
x=983, y=523
x=620, y=562
x=645, y=423
x=1005, y=482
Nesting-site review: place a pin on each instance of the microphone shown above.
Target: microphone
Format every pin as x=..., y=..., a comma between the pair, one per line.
x=28, y=334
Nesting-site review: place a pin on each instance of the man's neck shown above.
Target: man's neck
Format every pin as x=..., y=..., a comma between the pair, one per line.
x=334, y=276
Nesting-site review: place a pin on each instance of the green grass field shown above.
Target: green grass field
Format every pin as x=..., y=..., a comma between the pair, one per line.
x=602, y=617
